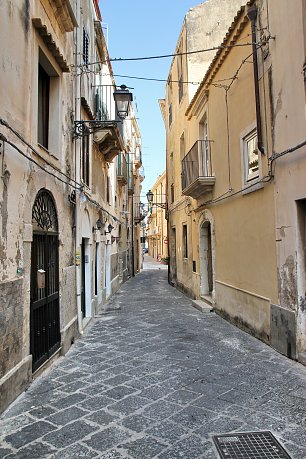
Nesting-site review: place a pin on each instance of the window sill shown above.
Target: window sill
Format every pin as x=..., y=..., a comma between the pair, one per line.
x=44, y=148
x=250, y=187
x=47, y=151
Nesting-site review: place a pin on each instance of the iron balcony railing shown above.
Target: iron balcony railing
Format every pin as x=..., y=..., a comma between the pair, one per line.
x=104, y=103
x=197, y=163
x=139, y=212
x=122, y=170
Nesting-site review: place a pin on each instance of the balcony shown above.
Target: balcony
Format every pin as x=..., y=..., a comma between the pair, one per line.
x=197, y=176
x=138, y=158
x=122, y=174
x=108, y=135
x=139, y=212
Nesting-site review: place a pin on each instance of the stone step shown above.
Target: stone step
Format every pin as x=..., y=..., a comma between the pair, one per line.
x=202, y=306
x=206, y=299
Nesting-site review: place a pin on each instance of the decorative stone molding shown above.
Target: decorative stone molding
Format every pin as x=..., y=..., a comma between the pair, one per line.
x=51, y=44
x=64, y=13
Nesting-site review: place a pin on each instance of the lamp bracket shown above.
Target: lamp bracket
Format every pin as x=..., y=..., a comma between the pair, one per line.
x=86, y=127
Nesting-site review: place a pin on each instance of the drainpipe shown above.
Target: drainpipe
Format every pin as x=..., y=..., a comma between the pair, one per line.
x=132, y=228
x=252, y=16
x=77, y=219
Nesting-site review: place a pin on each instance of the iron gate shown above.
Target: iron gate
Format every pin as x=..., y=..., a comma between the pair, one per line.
x=44, y=314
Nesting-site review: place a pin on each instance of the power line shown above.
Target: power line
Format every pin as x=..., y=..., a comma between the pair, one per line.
x=163, y=56
x=154, y=79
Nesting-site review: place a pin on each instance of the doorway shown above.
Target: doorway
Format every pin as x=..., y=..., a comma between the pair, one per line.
x=44, y=293
x=206, y=265
x=85, y=278
x=173, y=267
x=107, y=271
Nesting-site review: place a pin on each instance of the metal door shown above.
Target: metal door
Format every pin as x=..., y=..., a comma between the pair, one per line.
x=44, y=313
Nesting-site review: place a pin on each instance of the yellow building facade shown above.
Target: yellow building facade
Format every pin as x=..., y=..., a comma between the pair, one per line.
x=157, y=234
x=223, y=189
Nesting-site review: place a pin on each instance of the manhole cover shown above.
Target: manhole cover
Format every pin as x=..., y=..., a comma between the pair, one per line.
x=249, y=445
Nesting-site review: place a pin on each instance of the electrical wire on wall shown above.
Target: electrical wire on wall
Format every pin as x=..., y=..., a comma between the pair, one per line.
x=265, y=179
x=98, y=206
x=20, y=137
x=4, y=139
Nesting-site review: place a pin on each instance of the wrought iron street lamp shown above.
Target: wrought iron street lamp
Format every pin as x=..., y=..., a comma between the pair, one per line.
x=110, y=227
x=150, y=197
x=122, y=97
x=105, y=116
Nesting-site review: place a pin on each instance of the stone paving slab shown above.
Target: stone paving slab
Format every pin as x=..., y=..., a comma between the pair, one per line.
x=152, y=377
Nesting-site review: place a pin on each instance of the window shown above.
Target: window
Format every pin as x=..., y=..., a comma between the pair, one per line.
x=180, y=71
x=251, y=157
x=172, y=193
x=85, y=48
x=48, y=127
x=170, y=100
x=108, y=189
x=85, y=159
x=185, y=242
x=182, y=146
x=43, y=106
x=170, y=115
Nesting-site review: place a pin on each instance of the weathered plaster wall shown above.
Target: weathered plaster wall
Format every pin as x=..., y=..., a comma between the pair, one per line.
x=289, y=128
x=206, y=26
x=22, y=180
x=11, y=325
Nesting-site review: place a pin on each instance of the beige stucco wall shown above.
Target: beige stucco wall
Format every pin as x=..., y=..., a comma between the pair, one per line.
x=289, y=129
x=204, y=26
x=243, y=226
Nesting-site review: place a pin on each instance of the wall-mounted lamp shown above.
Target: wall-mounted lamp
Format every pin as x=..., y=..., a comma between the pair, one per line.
x=110, y=227
x=122, y=97
x=99, y=224
x=150, y=197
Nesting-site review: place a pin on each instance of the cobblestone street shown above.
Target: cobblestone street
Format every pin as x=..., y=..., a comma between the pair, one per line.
x=152, y=377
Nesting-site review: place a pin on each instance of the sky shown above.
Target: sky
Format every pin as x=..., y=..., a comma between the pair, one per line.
x=139, y=28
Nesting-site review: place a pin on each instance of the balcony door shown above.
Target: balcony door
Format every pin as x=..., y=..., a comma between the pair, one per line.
x=204, y=163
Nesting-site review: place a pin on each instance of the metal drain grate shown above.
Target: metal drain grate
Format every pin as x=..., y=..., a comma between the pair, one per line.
x=249, y=445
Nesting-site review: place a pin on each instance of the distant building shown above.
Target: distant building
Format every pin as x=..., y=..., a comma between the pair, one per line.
x=157, y=233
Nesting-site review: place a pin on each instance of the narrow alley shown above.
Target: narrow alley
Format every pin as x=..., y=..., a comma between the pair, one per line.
x=152, y=377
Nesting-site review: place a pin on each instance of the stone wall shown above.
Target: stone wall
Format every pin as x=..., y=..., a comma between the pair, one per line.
x=11, y=325
x=114, y=265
